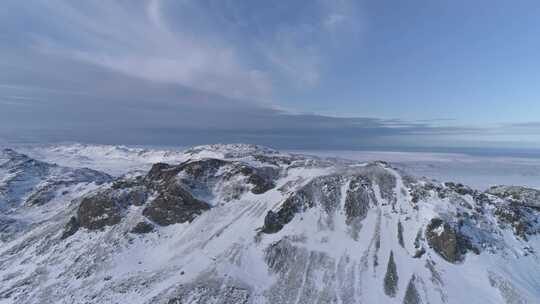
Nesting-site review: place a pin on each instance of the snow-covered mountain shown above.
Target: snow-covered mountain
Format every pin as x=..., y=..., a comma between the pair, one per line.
x=248, y=224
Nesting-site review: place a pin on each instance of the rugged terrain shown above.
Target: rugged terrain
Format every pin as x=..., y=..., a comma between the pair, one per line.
x=248, y=224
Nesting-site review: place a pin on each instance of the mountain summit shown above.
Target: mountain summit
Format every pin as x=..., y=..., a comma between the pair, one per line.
x=248, y=224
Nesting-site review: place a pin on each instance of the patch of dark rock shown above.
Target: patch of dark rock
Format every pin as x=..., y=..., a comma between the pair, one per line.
x=43, y=195
x=138, y=196
x=142, y=228
x=98, y=211
x=461, y=189
x=71, y=228
x=447, y=241
x=277, y=255
x=273, y=160
x=324, y=191
x=123, y=183
x=357, y=201
x=391, y=277
x=298, y=202
x=401, y=241
x=162, y=172
x=411, y=294
x=174, y=205
x=520, y=218
x=419, y=253
x=209, y=292
x=386, y=181
x=260, y=182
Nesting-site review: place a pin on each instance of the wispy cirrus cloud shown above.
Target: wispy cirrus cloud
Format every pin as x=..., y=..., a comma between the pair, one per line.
x=188, y=72
x=137, y=40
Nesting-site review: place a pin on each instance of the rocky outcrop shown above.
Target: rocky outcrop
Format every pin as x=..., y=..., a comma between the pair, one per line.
x=175, y=205
x=447, y=241
x=411, y=294
x=358, y=199
x=323, y=191
x=229, y=179
x=142, y=228
x=391, y=277
x=71, y=228
x=98, y=211
x=523, y=196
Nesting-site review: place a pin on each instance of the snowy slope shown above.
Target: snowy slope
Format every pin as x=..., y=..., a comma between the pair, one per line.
x=248, y=224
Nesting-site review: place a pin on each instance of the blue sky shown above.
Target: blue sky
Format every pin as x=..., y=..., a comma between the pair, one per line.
x=294, y=74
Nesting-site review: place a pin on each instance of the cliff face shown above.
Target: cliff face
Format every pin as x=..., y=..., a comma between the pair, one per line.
x=247, y=224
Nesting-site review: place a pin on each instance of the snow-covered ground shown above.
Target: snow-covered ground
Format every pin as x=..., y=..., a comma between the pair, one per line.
x=480, y=172
x=247, y=224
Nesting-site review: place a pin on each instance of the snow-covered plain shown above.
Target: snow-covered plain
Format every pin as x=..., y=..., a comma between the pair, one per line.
x=479, y=172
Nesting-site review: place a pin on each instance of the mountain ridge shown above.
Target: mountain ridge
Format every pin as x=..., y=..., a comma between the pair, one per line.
x=248, y=224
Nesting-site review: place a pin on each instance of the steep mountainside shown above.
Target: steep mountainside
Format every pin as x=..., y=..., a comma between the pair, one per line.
x=248, y=224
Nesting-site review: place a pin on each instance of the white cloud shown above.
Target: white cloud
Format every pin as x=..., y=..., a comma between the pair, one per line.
x=137, y=41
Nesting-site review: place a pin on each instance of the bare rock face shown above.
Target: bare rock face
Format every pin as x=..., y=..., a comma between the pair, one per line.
x=71, y=228
x=174, y=206
x=142, y=228
x=447, y=241
x=209, y=291
x=524, y=196
x=230, y=178
x=98, y=211
x=274, y=221
x=173, y=203
x=391, y=277
x=358, y=199
x=322, y=191
x=411, y=294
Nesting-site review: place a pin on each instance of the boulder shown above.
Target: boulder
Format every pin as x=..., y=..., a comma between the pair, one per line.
x=71, y=228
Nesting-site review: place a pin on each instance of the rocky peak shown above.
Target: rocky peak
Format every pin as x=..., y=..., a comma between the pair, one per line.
x=258, y=226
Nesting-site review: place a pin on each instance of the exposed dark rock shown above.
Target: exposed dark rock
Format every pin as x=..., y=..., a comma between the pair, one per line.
x=142, y=227
x=391, y=277
x=325, y=191
x=98, y=211
x=261, y=183
x=174, y=205
x=461, y=189
x=43, y=195
x=357, y=203
x=162, y=172
x=204, y=171
x=523, y=196
x=519, y=217
x=447, y=241
x=273, y=160
x=138, y=196
x=386, y=181
x=411, y=294
x=274, y=221
x=400, y=234
x=419, y=253
x=71, y=228
x=209, y=291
